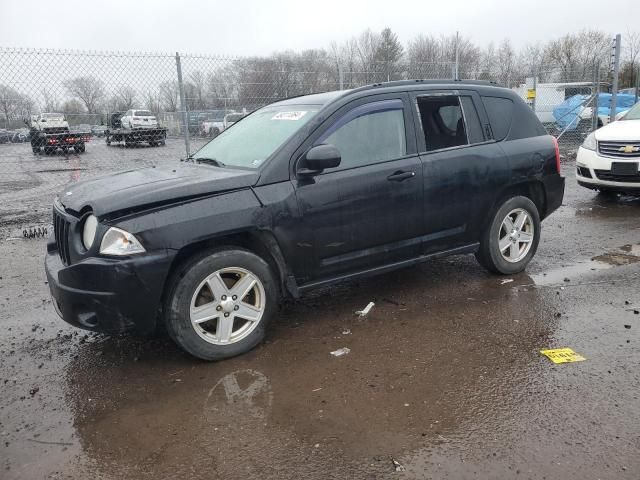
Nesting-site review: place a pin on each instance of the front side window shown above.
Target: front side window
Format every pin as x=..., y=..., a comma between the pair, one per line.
x=370, y=133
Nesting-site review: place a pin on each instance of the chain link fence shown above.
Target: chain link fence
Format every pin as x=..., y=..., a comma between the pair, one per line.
x=193, y=98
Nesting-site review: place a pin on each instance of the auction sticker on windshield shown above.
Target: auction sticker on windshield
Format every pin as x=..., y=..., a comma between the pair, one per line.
x=289, y=115
x=562, y=355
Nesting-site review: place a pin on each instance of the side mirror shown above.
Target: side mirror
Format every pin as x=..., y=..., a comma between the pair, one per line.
x=319, y=158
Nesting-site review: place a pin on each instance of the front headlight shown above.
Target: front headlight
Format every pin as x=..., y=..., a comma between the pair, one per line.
x=119, y=242
x=89, y=231
x=590, y=142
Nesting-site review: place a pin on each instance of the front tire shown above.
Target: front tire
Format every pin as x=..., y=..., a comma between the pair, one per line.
x=510, y=241
x=220, y=304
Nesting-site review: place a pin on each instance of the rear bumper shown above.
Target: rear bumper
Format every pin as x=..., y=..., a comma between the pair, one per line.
x=107, y=295
x=554, y=188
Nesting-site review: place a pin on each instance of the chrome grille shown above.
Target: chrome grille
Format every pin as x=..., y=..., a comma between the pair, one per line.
x=61, y=228
x=630, y=149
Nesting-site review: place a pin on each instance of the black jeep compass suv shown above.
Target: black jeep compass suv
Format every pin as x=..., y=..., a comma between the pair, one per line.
x=299, y=194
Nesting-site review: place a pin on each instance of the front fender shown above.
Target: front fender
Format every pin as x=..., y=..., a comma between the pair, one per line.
x=175, y=226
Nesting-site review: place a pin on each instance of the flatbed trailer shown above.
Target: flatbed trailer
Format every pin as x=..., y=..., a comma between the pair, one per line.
x=48, y=142
x=133, y=136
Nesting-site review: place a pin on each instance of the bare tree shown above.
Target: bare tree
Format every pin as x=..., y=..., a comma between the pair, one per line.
x=73, y=107
x=367, y=46
x=424, y=58
x=345, y=57
x=126, y=97
x=89, y=90
x=197, y=94
x=14, y=105
x=9, y=101
x=631, y=54
x=576, y=54
x=50, y=101
x=169, y=95
x=152, y=101
x=505, y=63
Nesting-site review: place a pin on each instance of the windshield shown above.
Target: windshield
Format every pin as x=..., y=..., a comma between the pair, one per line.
x=257, y=136
x=634, y=113
x=53, y=116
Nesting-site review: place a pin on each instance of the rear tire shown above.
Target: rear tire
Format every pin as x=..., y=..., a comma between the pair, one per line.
x=205, y=288
x=504, y=248
x=80, y=148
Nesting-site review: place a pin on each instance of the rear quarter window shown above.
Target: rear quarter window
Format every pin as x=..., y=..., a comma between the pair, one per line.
x=500, y=113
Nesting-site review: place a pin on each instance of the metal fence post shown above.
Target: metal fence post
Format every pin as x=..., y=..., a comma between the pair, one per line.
x=340, y=76
x=456, y=74
x=535, y=88
x=596, y=92
x=616, y=72
x=183, y=106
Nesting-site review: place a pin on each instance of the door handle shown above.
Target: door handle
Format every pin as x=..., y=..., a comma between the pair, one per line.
x=400, y=176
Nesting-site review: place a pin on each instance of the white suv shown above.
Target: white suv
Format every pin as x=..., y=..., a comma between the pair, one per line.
x=609, y=158
x=139, y=119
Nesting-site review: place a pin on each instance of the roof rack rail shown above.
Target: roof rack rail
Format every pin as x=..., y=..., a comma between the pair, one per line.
x=401, y=83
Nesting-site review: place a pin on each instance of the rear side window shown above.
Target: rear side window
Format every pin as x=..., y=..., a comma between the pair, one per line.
x=448, y=121
x=371, y=133
x=500, y=112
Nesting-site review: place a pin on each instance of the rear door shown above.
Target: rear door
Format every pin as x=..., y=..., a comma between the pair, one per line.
x=462, y=166
x=368, y=211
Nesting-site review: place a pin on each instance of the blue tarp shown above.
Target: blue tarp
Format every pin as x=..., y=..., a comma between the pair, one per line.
x=568, y=111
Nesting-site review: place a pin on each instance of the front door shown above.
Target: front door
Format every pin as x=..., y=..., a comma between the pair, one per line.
x=367, y=212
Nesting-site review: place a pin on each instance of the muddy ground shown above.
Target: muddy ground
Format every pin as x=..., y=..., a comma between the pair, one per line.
x=444, y=376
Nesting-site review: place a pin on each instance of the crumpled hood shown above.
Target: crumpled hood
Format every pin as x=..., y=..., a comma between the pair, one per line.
x=135, y=189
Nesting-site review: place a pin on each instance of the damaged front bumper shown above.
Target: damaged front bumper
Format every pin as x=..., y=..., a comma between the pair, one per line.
x=106, y=294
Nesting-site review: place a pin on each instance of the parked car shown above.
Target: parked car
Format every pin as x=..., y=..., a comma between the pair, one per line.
x=139, y=119
x=5, y=136
x=232, y=118
x=608, y=159
x=309, y=192
x=98, y=130
x=20, y=136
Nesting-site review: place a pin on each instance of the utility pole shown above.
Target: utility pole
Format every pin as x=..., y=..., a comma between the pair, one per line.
x=616, y=72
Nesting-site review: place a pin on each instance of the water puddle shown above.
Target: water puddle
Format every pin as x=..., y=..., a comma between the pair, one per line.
x=626, y=255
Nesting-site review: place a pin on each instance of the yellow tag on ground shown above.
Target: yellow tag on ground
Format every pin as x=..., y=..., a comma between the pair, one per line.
x=562, y=355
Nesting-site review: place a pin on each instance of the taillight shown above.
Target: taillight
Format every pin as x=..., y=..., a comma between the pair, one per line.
x=135, y=118
x=557, y=148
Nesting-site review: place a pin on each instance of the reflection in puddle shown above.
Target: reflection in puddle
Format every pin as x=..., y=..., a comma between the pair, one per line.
x=246, y=393
x=631, y=249
x=601, y=262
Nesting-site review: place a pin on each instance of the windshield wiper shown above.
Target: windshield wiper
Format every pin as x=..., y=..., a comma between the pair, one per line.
x=209, y=161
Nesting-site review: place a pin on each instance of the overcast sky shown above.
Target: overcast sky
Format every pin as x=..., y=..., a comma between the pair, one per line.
x=246, y=27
